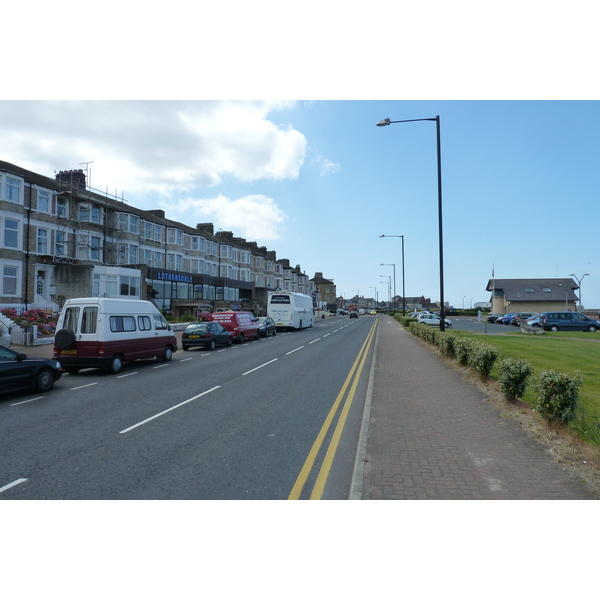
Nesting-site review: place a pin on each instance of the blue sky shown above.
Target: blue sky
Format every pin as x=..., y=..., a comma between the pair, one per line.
x=318, y=182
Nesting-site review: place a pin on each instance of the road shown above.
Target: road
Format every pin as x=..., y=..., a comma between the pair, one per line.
x=270, y=419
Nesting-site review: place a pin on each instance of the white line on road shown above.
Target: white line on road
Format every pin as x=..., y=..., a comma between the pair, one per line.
x=25, y=401
x=127, y=374
x=260, y=367
x=164, y=412
x=84, y=386
x=185, y=359
x=292, y=351
x=161, y=366
x=16, y=482
x=314, y=341
x=326, y=335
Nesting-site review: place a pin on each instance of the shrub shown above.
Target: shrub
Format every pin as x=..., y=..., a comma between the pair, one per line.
x=446, y=343
x=558, y=395
x=482, y=357
x=462, y=348
x=513, y=375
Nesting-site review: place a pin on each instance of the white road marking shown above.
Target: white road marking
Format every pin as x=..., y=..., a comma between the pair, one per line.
x=260, y=367
x=184, y=359
x=84, y=386
x=164, y=412
x=161, y=366
x=314, y=341
x=292, y=351
x=127, y=374
x=16, y=482
x=25, y=401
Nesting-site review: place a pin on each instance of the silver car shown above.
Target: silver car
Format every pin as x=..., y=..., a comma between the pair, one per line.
x=433, y=320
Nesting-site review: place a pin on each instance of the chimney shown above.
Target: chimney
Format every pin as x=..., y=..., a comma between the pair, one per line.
x=74, y=178
x=207, y=227
x=157, y=212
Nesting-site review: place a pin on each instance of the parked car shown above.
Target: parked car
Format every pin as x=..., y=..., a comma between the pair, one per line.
x=535, y=321
x=353, y=314
x=516, y=319
x=18, y=372
x=239, y=323
x=568, y=321
x=266, y=326
x=205, y=335
x=433, y=320
x=416, y=313
x=492, y=317
x=505, y=319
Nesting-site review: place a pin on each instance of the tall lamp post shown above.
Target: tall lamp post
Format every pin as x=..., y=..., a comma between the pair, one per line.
x=403, y=290
x=385, y=122
x=392, y=265
x=389, y=284
x=579, y=284
x=372, y=287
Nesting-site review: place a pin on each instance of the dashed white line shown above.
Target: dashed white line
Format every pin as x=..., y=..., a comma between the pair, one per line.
x=84, y=386
x=164, y=412
x=260, y=367
x=128, y=374
x=314, y=341
x=16, y=482
x=292, y=351
x=161, y=366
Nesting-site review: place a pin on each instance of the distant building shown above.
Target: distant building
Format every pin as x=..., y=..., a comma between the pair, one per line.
x=532, y=295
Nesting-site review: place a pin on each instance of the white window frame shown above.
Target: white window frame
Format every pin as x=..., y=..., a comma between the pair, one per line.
x=43, y=237
x=11, y=183
x=17, y=276
x=47, y=196
x=18, y=230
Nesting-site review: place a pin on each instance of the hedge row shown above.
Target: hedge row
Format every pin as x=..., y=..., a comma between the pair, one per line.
x=557, y=394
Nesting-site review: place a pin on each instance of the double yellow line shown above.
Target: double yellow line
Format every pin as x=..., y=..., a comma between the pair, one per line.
x=355, y=372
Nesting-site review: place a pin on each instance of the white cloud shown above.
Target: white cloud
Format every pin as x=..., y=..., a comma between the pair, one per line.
x=254, y=217
x=326, y=166
x=154, y=146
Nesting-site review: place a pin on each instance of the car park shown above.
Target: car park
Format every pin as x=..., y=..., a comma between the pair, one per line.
x=568, y=321
x=266, y=326
x=433, y=320
x=205, y=335
x=239, y=323
x=18, y=372
x=492, y=317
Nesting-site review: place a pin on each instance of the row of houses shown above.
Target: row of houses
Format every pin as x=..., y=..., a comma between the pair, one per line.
x=61, y=239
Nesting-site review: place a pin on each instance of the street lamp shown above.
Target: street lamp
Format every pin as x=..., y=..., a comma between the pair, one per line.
x=403, y=290
x=372, y=287
x=389, y=284
x=579, y=284
x=385, y=122
x=392, y=265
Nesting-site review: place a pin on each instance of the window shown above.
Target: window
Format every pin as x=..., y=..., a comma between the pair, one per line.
x=529, y=290
x=148, y=230
x=158, y=233
x=111, y=286
x=133, y=254
x=60, y=247
x=13, y=190
x=160, y=323
x=72, y=318
x=129, y=285
x=95, y=248
x=89, y=319
x=122, y=324
x=42, y=241
x=62, y=207
x=148, y=257
x=95, y=214
x=546, y=290
x=144, y=323
x=133, y=224
x=11, y=233
x=43, y=201
x=84, y=212
x=158, y=260
x=174, y=236
x=194, y=242
x=10, y=280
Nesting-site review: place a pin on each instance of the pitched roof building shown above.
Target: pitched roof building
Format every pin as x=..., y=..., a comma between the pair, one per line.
x=539, y=295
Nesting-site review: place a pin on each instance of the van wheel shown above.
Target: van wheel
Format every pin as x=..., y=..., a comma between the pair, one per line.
x=44, y=380
x=592, y=328
x=64, y=339
x=241, y=339
x=116, y=365
x=554, y=328
x=167, y=356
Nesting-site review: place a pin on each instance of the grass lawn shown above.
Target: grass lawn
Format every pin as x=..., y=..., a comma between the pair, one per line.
x=561, y=351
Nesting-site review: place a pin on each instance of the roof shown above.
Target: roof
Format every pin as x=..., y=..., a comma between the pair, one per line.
x=515, y=290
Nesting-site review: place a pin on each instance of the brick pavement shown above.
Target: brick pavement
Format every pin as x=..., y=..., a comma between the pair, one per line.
x=432, y=435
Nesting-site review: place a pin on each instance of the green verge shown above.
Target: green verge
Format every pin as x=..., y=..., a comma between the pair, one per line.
x=560, y=351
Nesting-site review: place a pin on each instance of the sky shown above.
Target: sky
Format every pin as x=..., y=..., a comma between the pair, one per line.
x=318, y=182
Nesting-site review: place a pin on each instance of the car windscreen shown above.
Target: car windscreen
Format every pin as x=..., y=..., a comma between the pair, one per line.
x=197, y=327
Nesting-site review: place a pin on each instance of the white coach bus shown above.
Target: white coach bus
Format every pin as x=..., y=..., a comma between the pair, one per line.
x=290, y=310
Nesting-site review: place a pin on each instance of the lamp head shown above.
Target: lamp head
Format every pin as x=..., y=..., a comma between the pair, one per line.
x=383, y=122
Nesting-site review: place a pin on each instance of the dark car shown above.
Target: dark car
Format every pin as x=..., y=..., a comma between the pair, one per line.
x=505, y=320
x=266, y=326
x=17, y=372
x=353, y=314
x=522, y=316
x=492, y=317
x=205, y=335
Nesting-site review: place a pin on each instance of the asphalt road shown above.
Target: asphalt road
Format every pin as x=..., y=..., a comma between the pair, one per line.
x=237, y=423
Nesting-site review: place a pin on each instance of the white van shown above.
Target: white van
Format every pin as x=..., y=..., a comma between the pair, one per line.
x=106, y=332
